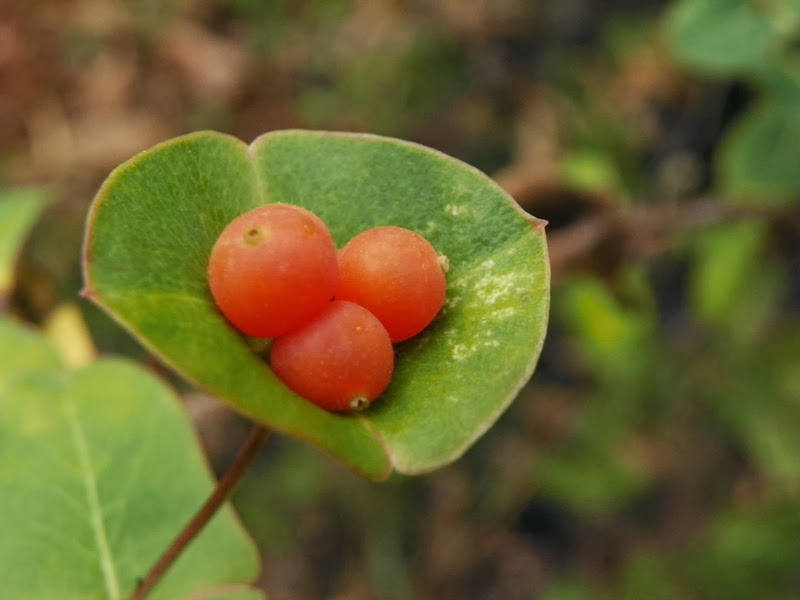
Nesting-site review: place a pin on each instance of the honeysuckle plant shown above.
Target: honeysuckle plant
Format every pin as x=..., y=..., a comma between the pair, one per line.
x=148, y=238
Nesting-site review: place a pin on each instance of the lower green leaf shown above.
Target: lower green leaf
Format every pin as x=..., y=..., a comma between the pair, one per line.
x=100, y=470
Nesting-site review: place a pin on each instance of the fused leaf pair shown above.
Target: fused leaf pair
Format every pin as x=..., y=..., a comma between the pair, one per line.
x=155, y=221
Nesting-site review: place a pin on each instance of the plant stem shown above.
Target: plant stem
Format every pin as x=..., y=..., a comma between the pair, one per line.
x=258, y=435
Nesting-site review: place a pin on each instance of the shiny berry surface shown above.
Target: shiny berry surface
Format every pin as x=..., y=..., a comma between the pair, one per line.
x=395, y=274
x=341, y=360
x=272, y=269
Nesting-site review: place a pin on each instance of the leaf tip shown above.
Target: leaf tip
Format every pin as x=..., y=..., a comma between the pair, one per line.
x=538, y=224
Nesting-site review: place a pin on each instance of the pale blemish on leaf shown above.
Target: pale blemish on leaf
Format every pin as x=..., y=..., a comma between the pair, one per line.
x=488, y=294
x=455, y=210
x=490, y=289
x=429, y=228
x=452, y=400
x=503, y=313
x=463, y=351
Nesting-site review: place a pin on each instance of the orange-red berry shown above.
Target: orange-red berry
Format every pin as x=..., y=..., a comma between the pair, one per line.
x=273, y=269
x=341, y=360
x=395, y=274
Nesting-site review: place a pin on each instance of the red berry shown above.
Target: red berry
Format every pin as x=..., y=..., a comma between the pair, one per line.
x=341, y=360
x=272, y=269
x=396, y=275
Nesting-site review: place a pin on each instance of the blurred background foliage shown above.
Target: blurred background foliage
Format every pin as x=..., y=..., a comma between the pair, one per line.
x=656, y=453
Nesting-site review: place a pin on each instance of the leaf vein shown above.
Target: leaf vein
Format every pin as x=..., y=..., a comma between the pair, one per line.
x=95, y=510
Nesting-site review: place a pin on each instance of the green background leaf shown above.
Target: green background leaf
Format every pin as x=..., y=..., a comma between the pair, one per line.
x=101, y=470
x=18, y=210
x=721, y=36
x=761, y=157
x=154, y=222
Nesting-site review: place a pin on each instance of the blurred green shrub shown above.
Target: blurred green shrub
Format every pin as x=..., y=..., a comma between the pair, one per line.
x=755, y=42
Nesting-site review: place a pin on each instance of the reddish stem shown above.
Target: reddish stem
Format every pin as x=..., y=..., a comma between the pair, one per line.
x=246, y=454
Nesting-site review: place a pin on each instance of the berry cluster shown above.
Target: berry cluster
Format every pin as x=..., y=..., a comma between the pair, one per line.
x=275, y=272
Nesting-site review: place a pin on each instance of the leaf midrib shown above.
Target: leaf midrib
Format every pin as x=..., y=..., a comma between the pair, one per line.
x=78, y=439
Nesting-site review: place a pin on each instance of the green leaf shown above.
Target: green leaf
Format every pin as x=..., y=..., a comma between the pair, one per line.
x=591, y=170
x=18, y=210
x=726, y=264
x=105, y=471
x=157, y=216
x=760, y=159
x=722, y=37
x=613, y=336
x=780, y=81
